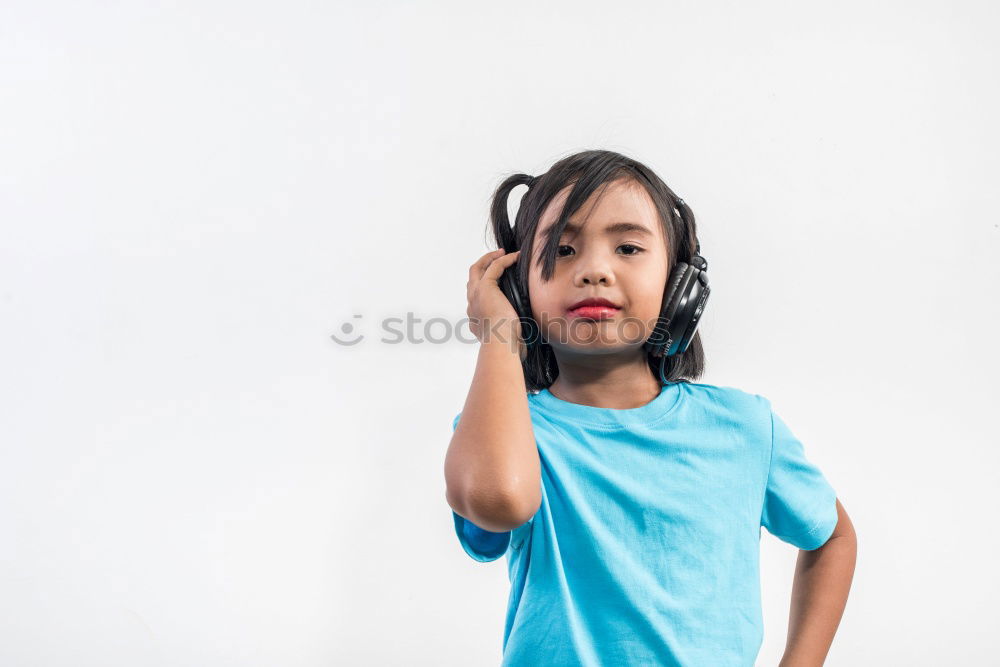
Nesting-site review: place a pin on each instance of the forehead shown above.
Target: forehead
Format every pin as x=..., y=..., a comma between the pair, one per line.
x=617, y=205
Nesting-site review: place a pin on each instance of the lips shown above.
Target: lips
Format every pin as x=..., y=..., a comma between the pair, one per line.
x=594, y=308
x=594, y=302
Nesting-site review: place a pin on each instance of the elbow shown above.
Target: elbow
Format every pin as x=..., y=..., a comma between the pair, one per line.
x=496, y=511
x=844, y=527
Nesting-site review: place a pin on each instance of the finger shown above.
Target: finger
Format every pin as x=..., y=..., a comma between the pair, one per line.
x=498, y=266
x=477, y=268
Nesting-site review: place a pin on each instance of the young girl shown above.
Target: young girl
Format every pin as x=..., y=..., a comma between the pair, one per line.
x=628, y=499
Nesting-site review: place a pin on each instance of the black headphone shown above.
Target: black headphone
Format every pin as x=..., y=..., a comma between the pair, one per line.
x=684, y=301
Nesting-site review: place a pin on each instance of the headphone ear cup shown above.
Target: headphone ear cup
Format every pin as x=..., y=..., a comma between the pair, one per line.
x=529, y=329
x=660, y=340
x=694, y=306
x=685, y=310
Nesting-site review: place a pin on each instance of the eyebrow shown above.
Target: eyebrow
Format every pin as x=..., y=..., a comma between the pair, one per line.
x=613, y=228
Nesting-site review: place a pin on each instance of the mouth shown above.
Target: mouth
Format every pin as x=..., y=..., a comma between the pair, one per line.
x=593, y=309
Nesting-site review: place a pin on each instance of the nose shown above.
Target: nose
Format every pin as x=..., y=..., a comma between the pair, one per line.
x=594, y=271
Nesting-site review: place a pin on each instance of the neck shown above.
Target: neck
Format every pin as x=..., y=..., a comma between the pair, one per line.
x=606, y=381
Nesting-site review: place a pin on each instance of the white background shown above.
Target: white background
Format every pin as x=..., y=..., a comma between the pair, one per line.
x=195, y=196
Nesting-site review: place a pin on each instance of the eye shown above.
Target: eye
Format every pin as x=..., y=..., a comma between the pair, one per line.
x=634, y=247
x=635, y=250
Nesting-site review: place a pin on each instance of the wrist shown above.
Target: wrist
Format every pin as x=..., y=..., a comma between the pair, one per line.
x=792, y=660
x=503, y=334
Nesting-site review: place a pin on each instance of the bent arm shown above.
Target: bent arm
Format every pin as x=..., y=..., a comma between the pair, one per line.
x=492, y=471
x=819, y=595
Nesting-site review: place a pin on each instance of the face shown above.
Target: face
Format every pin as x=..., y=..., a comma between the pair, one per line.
x=601, y=258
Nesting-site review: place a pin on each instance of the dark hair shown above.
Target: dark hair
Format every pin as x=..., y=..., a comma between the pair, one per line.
x=587, y=171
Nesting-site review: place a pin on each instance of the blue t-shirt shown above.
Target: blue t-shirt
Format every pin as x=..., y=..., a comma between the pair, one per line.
x=645, y=549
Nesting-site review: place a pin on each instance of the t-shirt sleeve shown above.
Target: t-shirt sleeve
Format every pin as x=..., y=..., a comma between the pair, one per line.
x=800, y=506
x=481, y=544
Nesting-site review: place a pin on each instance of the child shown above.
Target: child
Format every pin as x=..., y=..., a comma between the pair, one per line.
x=628, y=499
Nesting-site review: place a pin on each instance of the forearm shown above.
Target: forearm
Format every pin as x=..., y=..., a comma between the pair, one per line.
x=492, y=470
x=819, y=595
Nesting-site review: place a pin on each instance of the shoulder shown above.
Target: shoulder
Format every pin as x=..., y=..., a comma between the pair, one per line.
x=726, y=397
x=723, y=392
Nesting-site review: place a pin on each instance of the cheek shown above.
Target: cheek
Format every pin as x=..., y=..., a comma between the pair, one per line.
x=545, y=309
x=542, y=298
x=546, y=305
x=648, y=303
x=652, y=298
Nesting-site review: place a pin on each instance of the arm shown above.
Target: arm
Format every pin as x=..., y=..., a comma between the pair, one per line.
x=819, y=594
x=492, y=470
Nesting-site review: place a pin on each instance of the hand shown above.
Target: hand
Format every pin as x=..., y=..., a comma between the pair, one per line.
x=489, y=309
